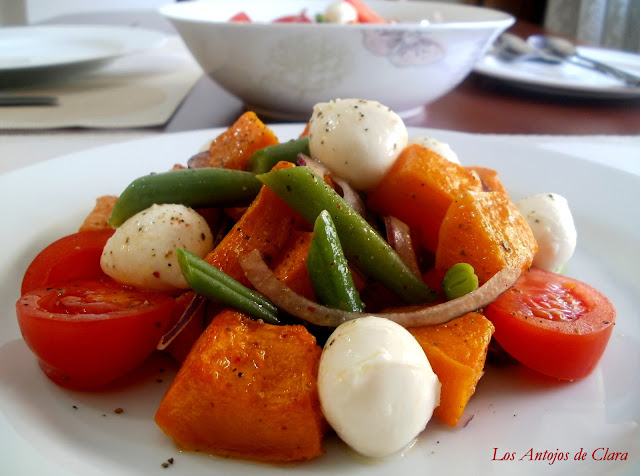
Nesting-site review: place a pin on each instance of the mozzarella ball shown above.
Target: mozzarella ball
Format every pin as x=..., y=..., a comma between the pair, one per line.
x=341, y=12
x=551, y=222
x=357, y=140
x=377, y=389
x=142, y=251
x=439, y=147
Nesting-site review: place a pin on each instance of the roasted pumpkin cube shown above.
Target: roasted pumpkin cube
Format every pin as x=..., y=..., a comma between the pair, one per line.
x=457, y=352
x=490, y=179
x=418, y=190
x=233, y=148
x=248, y=390
x=266, y=225
x=486, y=230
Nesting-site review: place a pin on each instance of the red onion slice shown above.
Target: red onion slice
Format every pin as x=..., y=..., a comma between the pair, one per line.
x=347, y=192
x=192, y=308
x=350, y=196
x=315, y=165
x=201, y=159
x=399, y=237
x=263, y=279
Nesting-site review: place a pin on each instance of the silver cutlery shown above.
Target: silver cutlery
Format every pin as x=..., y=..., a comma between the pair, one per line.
x=565, y=50
x=511, y=47
x=10, y=100
x=554, y=50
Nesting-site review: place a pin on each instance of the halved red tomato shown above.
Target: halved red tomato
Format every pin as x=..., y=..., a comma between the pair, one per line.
x=76, y=256
x=88, y=333
x=552, y=323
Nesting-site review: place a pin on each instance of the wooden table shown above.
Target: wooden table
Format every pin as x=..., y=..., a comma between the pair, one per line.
x=484, y=105
x=479, y=105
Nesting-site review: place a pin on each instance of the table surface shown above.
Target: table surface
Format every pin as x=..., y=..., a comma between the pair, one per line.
x=478, y=105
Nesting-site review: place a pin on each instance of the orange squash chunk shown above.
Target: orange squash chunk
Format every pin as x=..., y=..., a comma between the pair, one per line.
x=457, y=352
x=232, y=148
x=291, y=266
x=490, y=180
x=98, y=218
x=418, y=190
x=247, y=390
x=266, y=226
x=486, y=230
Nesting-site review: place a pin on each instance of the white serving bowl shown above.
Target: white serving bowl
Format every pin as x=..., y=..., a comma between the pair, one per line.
x=281, y=70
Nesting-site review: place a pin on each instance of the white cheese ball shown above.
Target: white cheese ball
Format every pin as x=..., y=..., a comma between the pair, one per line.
x=142, y=251
x=357, y=140
x=341, y=12
x=439, y=147
x=551, y=222
x=377, y=389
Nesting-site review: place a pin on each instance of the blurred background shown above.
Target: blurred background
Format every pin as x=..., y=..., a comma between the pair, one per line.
x=609, y=23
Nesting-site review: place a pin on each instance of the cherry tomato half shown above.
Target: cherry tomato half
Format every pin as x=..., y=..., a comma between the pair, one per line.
x=554, y=324
x=240, y=17
x=87, y=333
x=75, y=256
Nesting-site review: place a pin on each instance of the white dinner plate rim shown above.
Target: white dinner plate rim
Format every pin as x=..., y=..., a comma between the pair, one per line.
x=67, y=462
x=491, y=67
x=116, y=41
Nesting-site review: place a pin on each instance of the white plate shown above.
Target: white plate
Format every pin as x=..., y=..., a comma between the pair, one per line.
x=37, y=53
x=566, y=79
x=48, y=430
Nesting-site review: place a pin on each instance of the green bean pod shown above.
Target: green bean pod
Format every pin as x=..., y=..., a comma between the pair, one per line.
x=263, y=160
x=308, y=194
x=212, y=283
x=203, y=187
x=328, y=269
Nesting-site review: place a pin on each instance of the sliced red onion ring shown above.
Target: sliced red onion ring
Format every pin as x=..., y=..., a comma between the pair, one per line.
x=192, y=308
x=201, y=159
x=263, y=279
x=350, y=196
x=399, y=237
x=315, y=165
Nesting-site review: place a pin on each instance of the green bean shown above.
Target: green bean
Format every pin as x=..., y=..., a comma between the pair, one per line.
x=263, y=160
x=308, y=194
x=203, y=187
x=460, y=279
x=328, y=268
x=212, y=283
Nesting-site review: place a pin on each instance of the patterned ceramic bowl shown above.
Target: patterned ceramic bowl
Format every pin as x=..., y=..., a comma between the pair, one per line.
x=281, y=70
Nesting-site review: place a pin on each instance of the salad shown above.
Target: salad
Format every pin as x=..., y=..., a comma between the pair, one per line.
x=341, y=12
x=352, y=272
